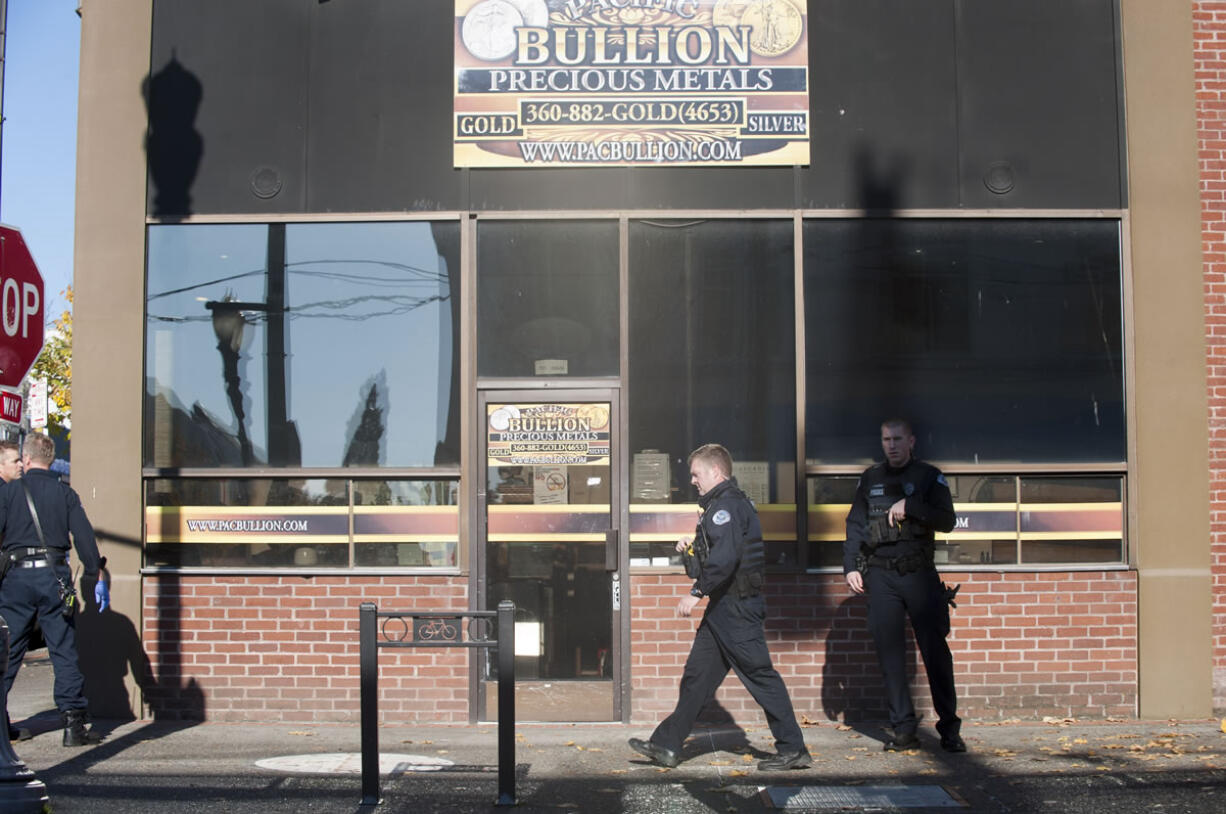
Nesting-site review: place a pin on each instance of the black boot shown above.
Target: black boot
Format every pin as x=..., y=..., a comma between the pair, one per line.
x=75, y=731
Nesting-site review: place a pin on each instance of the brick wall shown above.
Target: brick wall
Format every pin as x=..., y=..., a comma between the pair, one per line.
x=1209, y=51
x=1026, y=645
x=286, y=648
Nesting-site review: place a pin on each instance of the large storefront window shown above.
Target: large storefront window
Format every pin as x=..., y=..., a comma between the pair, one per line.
x=547, y=301
x=1001, y=340
x=712, y=360
x=302, y=345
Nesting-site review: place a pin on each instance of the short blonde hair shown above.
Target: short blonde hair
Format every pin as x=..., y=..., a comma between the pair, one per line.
x=713, y=455
x=40, y=448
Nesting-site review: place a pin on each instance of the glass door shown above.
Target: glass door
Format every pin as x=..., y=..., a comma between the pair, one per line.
x=551, y=546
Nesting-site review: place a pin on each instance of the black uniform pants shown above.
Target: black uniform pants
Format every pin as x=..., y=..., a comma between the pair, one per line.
x=33, y=593
x=918, y=595
x=731, y=637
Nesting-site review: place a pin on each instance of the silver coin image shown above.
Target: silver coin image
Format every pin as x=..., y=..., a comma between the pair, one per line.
x=534, y=12
x=488, y=30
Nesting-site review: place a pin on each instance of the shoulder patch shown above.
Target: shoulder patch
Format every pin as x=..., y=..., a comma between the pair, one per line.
x=941, y=480
x=721, y=517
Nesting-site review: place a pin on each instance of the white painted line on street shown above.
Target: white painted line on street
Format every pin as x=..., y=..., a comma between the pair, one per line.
x=351, y=763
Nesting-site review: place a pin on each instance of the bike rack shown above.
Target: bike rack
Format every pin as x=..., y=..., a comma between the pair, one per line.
x=413, y=633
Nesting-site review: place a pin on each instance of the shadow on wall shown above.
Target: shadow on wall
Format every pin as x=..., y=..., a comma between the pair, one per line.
x=852, y=687
x=172, y=146
x=110, y=649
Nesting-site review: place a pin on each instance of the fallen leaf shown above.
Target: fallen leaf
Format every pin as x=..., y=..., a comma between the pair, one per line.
x=843, y=728
x=303, y=733
x=747, y=758
x=570, y=743
x=737, y=773
x=928, y=771
x=594, y=749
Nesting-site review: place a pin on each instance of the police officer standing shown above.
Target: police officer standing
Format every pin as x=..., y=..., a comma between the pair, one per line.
x=888, y=554
x=37, y=514
x=729, y=572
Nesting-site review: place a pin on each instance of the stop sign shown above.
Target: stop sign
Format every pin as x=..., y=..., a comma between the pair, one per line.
x=21, y=308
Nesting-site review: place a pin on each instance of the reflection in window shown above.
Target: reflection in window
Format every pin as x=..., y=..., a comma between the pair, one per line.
x=285, y=345
x=547, y=301
x=1072, y=519
x=1001, y=340
x=712, y=355
x=406, y=523
x=712, y=360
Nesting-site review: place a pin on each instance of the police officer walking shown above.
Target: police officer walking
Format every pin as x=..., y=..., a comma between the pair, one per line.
x=728, y=561
x=37, y=514
x=888, y=554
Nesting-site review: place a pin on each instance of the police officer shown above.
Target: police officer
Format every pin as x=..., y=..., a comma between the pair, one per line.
x=888, y=555
x=730, y=574
x=37, y=514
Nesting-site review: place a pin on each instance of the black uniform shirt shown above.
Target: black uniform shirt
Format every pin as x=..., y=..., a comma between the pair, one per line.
x=728, y=520
x=59, y=512
x=929, y=506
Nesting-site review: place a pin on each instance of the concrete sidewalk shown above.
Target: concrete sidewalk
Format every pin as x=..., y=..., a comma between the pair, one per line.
x=1051, y=766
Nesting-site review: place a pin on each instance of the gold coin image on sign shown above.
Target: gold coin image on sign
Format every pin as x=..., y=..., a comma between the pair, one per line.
x=597, y=414
x=728, y=12
x=776, y=24
x=534, y=12
x=488, y=30
x=500, y=419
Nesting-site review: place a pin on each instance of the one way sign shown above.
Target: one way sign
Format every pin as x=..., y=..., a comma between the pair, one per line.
x=10, y=406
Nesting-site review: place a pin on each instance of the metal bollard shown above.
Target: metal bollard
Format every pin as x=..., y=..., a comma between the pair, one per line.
x=20, y=790
x=506, y=703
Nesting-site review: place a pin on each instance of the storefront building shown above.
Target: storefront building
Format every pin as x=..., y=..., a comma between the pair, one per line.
x=425, y=303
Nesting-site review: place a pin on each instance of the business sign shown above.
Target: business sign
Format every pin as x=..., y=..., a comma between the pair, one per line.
x=586, y=83
x=552, y=434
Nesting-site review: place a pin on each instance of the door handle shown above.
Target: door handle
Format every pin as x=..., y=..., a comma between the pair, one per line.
x=610, y=550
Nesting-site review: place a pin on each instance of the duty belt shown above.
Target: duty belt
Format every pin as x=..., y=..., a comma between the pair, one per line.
x=34, y=557
x=903, y=564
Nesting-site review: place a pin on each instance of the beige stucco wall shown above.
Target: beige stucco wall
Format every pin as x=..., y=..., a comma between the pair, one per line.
x=108, y=283
x=1169, y=531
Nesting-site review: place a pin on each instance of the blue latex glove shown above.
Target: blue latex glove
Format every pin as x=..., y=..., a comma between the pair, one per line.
x=102, y=595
